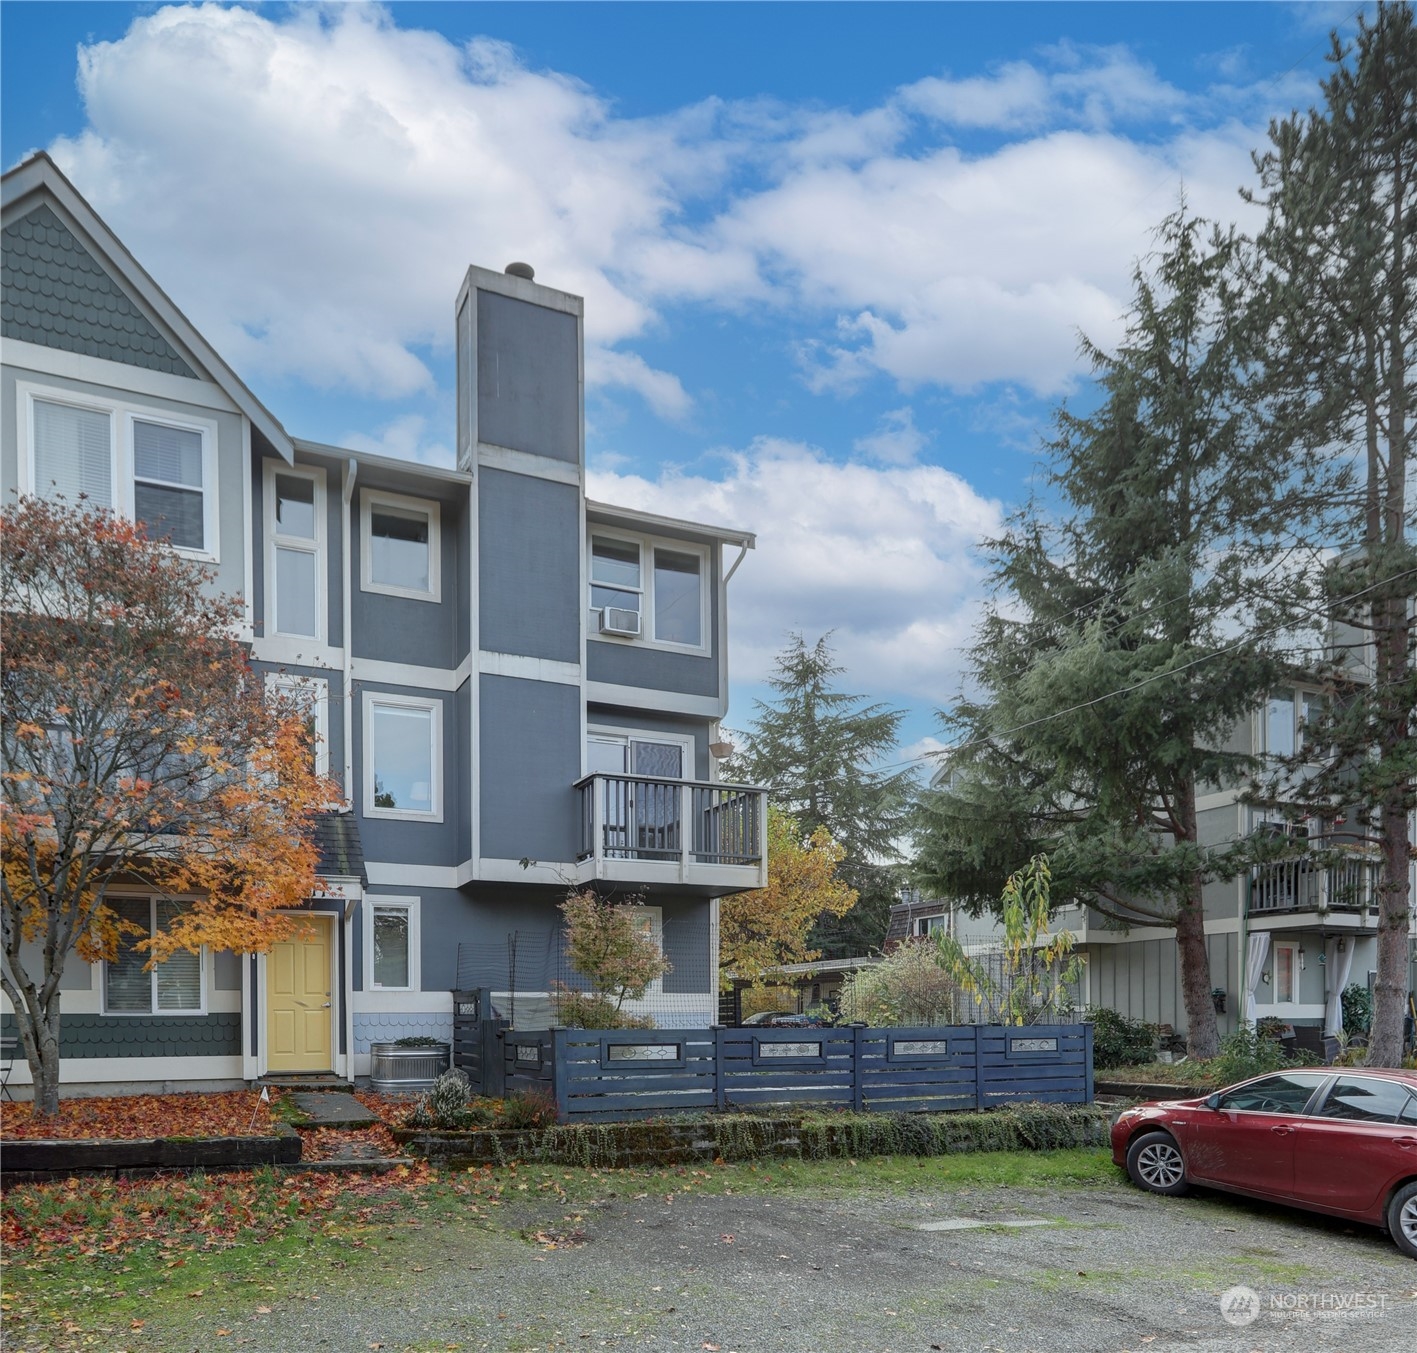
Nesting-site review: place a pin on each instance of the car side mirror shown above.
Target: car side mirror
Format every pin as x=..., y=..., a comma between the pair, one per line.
x=1212, y=1101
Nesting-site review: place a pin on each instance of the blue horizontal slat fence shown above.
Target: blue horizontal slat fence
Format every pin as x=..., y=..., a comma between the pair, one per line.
x=639, y=1073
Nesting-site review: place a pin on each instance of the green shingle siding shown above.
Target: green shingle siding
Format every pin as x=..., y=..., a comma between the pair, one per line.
x=216, y=1035
x=57, y=295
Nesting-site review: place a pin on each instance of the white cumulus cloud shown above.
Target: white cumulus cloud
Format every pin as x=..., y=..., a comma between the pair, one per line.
x=884, y=557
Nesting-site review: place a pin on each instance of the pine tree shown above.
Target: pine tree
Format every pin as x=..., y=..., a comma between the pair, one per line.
x=1109, y=675
x=1339, y=309
x=815, y=749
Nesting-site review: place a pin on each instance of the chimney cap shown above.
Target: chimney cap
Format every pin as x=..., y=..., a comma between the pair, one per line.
x=520, y=270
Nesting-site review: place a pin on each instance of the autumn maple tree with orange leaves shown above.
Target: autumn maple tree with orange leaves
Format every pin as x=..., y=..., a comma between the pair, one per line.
x=139, y=749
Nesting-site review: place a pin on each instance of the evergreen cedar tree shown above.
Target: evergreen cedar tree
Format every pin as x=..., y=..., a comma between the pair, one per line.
x=1104, y=713
x=139, y=749
x=761, y=930
x=1337, y=307
x=814, y=749
x=1206, y=502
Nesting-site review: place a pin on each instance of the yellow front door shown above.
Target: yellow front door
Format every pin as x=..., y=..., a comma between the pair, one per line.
x=299, y=1004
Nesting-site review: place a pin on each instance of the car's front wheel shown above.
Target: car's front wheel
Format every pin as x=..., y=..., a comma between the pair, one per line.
x=1154, y=1163
x=1402, y=1218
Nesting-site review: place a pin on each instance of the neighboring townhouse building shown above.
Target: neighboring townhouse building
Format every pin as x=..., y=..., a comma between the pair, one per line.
x=1284, y=941
x=519, y=689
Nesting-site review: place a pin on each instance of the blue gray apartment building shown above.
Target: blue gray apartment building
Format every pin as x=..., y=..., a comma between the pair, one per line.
x=518, y=689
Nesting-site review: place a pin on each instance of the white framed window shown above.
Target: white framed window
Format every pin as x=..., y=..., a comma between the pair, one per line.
x=312, y=696
x=151, y=466
x=1286, y=974
x=403, y=757
x=391, y=943
x=400, y=546
x=296, y=589
x=662, y=583
x=175, y=987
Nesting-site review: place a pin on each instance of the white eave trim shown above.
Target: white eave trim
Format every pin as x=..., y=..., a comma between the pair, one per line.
x=652, y=522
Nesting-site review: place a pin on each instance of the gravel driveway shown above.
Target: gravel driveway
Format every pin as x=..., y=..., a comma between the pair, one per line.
x=1110, y=1268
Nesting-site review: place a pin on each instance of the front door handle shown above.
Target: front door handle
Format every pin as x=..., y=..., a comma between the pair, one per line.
x=326, y=1006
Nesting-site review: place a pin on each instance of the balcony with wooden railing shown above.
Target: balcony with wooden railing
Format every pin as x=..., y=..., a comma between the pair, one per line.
x=692, y=833
x=1308, y=885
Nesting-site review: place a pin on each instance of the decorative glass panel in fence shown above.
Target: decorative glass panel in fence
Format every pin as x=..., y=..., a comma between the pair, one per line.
x=1017, y=1045
x=778, y=1051
x=920, y=1047
x=642, y=1052
x=528, y=1052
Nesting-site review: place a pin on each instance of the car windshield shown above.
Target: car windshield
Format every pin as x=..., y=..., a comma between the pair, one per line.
x=1286, y=1093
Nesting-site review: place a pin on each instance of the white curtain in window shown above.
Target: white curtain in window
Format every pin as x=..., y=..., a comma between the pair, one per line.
x=73, y=453
x=1256, y=951
x=127, y=988
x=1337, y=967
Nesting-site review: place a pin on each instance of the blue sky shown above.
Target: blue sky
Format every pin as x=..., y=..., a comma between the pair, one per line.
x=836, y=258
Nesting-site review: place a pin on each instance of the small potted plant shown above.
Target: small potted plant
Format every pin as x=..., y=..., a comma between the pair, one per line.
x=407, y=1063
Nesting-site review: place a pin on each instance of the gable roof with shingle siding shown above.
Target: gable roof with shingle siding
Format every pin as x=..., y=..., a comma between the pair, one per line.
x=57, y=294
x=39, y=180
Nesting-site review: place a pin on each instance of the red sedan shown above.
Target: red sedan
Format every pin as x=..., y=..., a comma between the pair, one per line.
x=1336, y=1140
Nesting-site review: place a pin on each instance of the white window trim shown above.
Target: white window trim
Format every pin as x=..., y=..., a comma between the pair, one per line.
x=410, y=905
x=121, y=416
x=317, y=691
x=203, y=972
x=302, y=543
x=372, y=498
x=435, y=707
x=647, y=546
x=625, y=736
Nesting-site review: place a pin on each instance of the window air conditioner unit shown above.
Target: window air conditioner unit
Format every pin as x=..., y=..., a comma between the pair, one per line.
x=616, y=620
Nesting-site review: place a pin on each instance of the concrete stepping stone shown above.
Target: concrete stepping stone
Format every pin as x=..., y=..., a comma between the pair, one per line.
x=332, y=1108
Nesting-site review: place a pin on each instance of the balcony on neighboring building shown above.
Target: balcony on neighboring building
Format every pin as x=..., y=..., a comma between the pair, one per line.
x=1306, y=885
x=643, y=831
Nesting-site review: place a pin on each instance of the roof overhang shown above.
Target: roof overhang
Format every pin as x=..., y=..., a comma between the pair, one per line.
x=652, y=522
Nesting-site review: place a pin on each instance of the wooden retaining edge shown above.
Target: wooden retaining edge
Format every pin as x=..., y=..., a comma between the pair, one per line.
x=1154, y=1090
x=39, y=1159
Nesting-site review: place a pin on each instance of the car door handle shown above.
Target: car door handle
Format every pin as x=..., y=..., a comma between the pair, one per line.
x=1406, y=1143
x=1283, y=1129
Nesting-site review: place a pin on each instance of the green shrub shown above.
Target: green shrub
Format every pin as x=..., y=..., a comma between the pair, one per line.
x=1247, y=1052
x=585, y=1010
x=528, y=1109
x=1119, y=1041
x=418, y=1041
x=1357, y=1009
x=906, y=988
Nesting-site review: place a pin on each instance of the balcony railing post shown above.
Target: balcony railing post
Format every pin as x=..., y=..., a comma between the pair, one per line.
x=598, y=790
x=686, y=825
